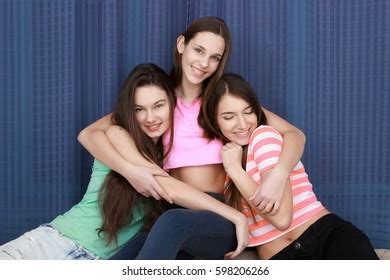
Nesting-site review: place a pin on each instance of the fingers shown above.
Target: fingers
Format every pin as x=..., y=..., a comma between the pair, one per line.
x=268, y=208
x=232, y=255
x=228, y=256
x=262, y=205
x=256, y=198
x=158, y=172
x=154, y=194
x=162, y=193
x=276, y=208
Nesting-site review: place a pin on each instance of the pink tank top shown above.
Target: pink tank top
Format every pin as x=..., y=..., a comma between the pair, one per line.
x=189, y=147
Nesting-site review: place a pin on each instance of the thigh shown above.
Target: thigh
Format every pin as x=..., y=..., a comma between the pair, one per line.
x=347, y=242
x=42, y=243
x=132, y=248
x=189, y=230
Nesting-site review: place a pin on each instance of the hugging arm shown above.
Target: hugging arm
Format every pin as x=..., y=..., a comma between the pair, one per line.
x=267, y=199
x=122, y=147
x=231, y=155
x=95, y=140
x=181, y=193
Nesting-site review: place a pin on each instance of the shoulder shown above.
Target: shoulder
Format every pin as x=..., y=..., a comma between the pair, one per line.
x=265, y=133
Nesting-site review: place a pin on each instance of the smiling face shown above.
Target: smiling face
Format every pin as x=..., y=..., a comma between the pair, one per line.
x=236, y=119
x=152, y=110
x=200, y=56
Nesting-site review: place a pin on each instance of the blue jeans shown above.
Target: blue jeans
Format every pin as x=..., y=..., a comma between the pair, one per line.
x=44, y=243
x=329, y=238
x=181, y=233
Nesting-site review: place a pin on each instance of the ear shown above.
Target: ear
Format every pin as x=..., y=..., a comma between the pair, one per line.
x=180, y=44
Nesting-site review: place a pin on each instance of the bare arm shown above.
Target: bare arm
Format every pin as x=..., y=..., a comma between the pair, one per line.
x=181, y=193
x=95, y=140
x=231, y=155
x=268, y=198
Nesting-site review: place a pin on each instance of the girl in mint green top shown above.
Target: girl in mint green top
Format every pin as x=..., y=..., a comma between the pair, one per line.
x=111, y=211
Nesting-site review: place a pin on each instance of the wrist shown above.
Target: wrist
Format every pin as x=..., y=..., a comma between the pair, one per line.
x=282, y=170
x=235, y=172
x=240, y=218
x=126, y=169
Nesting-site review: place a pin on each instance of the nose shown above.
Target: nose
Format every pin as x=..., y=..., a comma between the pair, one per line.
x=150, y=116
x=204, y=62
x=241, y=122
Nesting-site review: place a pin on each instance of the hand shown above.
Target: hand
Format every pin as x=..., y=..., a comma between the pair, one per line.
x=231, y=154
x=242, y=235
x=143, y=181
x=267, y=198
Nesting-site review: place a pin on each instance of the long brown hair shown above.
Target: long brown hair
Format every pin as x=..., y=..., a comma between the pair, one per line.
x=205, y=24
x=118, y=198
x=234, y=85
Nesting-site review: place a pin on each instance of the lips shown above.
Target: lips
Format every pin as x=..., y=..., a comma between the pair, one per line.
x=197, y=72
x=153, y=127
x=242, y=134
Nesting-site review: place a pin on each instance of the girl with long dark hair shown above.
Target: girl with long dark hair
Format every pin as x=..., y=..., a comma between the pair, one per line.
x=302, y=228
x=112, y=211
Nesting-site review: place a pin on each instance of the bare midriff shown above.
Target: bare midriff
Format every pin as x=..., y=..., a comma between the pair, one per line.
x=207, y=178
x=266, y=251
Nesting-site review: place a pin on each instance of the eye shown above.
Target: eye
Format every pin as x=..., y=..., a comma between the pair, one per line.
x=198, y=50
x=249, y=111
x=227, y=117
x=137, y=110
x=216, y=58
x=159, y=106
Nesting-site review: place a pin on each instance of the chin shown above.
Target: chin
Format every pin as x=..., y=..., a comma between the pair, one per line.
x=242, y=142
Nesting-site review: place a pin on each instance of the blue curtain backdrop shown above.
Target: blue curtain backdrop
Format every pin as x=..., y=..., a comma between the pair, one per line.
x=322, y=65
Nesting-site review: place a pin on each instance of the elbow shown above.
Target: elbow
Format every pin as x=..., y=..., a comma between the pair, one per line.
x=82, y=136
x=283, y=223
x=302, y=136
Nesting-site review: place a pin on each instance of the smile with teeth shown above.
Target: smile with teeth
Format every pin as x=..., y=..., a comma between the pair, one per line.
x=197, y=71
x=242, y=134
x=153, y=127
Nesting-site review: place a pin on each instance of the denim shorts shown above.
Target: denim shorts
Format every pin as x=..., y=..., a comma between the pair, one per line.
x=44, y=243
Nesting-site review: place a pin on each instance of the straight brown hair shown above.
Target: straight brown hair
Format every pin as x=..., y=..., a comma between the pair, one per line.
x=205, y=24
x=118, y=198
x=235, y=85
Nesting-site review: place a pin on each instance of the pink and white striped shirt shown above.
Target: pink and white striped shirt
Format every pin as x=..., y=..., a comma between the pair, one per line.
x=264, y=150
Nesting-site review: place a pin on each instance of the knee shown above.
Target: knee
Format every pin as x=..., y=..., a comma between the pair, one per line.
x=170, y=220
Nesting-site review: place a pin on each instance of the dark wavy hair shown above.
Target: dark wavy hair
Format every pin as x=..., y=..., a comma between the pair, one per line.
x=205, y=24
x=235, y=85
x=118, y=199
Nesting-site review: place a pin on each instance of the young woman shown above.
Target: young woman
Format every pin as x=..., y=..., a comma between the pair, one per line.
x=302, y=228
x=200, y=56
x=93, y=228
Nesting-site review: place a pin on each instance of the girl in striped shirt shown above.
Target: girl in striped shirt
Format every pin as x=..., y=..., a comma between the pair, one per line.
x=301, y=228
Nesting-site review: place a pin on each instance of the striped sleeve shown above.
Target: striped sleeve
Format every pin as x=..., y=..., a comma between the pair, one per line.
x=266, y=146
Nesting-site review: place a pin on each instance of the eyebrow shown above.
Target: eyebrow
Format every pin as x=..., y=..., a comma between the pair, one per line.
x=227, y=113
x=161, y=100
x=203, y=49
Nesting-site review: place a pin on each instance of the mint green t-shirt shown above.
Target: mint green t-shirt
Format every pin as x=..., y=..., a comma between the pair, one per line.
x=82, y=220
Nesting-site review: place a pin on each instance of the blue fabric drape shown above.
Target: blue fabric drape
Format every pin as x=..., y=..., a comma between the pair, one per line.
x=322, y=65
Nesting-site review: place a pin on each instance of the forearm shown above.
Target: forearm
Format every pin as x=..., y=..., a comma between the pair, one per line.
x=98, y=145
x=247, y=187
x=192, y=198
x=292, y=150
x=181, y=193
x=124, y=145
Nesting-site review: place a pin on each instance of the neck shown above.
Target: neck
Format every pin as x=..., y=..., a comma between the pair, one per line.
x=188, y=91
